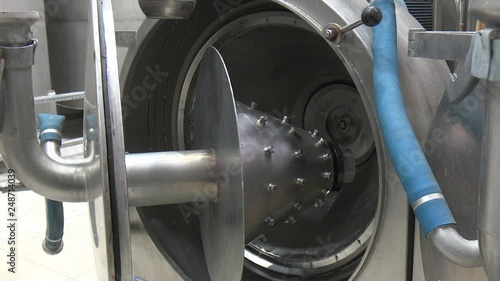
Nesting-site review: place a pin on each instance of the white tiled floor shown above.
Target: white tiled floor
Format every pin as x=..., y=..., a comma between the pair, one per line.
x=74, y=263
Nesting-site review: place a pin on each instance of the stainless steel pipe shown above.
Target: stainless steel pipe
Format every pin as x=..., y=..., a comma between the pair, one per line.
x=160, y=178
x=53, y=150
x=19, y=143
x=489, y=196
x=456, y=248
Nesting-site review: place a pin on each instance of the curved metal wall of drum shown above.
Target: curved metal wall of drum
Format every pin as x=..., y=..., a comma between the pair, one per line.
x=277, y=58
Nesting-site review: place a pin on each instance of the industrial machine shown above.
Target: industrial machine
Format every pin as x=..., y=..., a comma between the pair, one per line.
x=255, y=140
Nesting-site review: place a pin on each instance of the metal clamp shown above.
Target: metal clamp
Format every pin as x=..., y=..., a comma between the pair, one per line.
x=19, y=57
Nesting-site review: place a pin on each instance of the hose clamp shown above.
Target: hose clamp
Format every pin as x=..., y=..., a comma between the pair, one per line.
x=46, y=131
x=426, y=198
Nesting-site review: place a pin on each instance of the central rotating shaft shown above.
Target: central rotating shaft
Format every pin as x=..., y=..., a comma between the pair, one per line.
x=285, y=169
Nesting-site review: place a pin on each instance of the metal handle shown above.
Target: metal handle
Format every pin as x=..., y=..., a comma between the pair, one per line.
x=371, y=16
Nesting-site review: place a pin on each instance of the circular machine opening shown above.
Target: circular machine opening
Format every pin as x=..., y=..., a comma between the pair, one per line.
x=276, y=60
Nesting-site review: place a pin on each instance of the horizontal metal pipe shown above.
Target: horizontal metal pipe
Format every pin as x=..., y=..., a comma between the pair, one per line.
x=456, y=248
x=161, y=178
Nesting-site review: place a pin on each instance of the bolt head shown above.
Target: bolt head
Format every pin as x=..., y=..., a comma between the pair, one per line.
x=329, y=33
x=325, y=157
x=315, y=134
x=297, y=206
x=269, y=150
x=253, y=105
x=320, y=142
x=270, y=221
x=262, y=120
x=327, y=175
x=271, y=187
x=298, y=153
x=319, y=203
x=300, y=181
x=263, y=238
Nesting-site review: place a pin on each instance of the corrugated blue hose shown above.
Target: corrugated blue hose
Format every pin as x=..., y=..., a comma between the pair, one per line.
x=404, y=150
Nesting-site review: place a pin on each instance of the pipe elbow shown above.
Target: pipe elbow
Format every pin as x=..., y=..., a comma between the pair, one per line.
x=43, y=175
x=457, y=249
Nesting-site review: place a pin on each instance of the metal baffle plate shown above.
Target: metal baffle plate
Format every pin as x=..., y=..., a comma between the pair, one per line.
x=216, y=127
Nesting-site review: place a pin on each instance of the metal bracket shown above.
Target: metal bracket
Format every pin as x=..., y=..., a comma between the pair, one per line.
x=442, y=45
x=447, y=45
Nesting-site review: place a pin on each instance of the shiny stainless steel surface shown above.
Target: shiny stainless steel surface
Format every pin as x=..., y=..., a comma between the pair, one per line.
x=52, y=149
x=487, y=11
x=95, y=120
x=489, y=197
x=222, y=222
x=292, y=96
x=422, y=99
x=457, y=249
x=19, y=142
x=454, y=149
x=160, y=178
x=302, y=178
x=167, y=9
x=437, y=44
x=115, y=141
x=144, y=249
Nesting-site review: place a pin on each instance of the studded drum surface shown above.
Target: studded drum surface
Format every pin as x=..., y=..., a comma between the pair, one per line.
x=284, y=170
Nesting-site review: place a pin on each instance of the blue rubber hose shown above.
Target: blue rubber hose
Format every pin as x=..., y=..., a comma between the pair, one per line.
x=53, y=242
x=50, y=130
x=409, y=161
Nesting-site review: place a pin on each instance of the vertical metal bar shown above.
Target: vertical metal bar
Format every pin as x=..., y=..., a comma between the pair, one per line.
x=115, y=142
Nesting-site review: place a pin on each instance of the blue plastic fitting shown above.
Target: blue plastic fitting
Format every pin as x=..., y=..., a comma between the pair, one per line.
x=404, y=150
x=50, y=126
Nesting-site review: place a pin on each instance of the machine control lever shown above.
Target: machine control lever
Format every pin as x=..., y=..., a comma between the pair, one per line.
x=371, y=16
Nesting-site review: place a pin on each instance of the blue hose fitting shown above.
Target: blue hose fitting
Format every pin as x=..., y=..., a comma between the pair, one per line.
x=410, y=163
x=50, y=127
